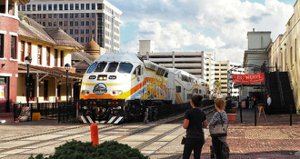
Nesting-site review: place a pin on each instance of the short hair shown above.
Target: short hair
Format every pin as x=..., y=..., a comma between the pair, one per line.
x=197, y=100
x=220, y=103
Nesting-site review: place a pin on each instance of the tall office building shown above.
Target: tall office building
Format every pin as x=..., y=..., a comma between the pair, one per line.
x=82, y=19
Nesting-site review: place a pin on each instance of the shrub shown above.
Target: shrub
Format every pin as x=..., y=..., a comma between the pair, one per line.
x=106, y=150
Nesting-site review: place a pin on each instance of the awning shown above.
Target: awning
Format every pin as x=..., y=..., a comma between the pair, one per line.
x=50, y=71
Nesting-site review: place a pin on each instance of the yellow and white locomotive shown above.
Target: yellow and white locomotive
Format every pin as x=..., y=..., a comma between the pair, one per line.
x=123, y=85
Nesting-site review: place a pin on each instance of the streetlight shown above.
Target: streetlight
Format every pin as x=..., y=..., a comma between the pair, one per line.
x=67, y=67
x=28, y=60
x=229, y=72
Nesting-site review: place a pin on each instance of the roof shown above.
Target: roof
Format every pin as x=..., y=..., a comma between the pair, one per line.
x=55, y=36
x=82, y=56
x=92, y=46
x=62, y=38
x=31, y=29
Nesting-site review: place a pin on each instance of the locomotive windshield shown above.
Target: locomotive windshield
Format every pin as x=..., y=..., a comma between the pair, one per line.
x=112, y=66
x=125, y=67
x=91, y=68
x=100, y=67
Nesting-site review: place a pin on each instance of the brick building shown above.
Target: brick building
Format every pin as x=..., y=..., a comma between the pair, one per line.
x=9, y=24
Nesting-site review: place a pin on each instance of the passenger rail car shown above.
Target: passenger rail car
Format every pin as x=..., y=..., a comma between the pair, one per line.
x=120, y=84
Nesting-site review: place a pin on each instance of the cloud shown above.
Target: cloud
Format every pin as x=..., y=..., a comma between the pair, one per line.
x=193, y=25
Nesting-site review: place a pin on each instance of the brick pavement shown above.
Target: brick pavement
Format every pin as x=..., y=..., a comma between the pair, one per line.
x=271, y=139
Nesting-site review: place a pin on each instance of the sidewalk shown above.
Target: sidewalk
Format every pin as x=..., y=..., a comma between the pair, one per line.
x=271, y=139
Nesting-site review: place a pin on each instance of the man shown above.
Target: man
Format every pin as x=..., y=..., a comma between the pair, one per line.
x=269, y=100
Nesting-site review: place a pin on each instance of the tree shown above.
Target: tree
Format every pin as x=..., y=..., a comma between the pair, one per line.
x=217, y=87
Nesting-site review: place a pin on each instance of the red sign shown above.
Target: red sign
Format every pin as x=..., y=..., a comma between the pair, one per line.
x=248, y=78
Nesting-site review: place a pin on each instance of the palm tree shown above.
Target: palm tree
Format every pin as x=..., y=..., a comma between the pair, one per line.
x=217, y=87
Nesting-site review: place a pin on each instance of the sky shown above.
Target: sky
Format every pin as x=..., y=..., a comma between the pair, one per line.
x=216, y=26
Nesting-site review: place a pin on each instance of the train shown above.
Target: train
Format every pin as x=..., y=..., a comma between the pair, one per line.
x=123, y=84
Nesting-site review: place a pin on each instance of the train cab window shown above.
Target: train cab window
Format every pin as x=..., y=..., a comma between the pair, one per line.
x=100, y=67
x=112, y=67
x=91, y=68
x=178, y=89
x=138, y=70
x=166, y=74
x=125, y=67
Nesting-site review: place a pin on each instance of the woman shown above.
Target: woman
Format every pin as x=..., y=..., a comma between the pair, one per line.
x=219, y=142
x=194, y=122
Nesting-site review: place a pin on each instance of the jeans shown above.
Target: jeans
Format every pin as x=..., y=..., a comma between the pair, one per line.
x=217, y=146
x=193, y=145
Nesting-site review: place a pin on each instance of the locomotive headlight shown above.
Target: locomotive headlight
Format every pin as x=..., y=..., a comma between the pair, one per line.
x=85, y=92
x=116, y=92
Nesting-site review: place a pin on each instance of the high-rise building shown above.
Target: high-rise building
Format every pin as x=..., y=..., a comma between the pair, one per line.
x=223, y=72
x=82, y=19
x=198, y=63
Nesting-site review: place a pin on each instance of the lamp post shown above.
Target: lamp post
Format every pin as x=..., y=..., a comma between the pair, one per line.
x=67, y=67
x=28, y=60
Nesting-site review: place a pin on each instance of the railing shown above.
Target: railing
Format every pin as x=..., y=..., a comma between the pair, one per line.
x=59, y=110
x=280, y=88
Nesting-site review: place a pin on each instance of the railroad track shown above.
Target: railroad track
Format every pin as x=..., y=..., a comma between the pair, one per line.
x=141, y=127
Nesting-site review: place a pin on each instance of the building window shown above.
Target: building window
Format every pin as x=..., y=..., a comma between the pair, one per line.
x=81, y=31
x=87, y=23
x=87, y=6
x=93, y=31
x=55, y=7
x=50, y=15
x=93, y=15
x=60, y=7
x=44, y=6
x=71, y=15
x=76, y=23
x=82, y=6
x=71, y=6
x=55, y=57
x=65, y=15
x=82, y=15
x=48, y=56
x=82, y=39
x=40, y=54
x=54, y=15
x=87, y=31
x=71, y=31
x=60, y=15
x=39, y=7
x=76, y=6
x=65, y=23
x=28, y=7
x=66, y=7
x=33, y=7
x=93, y=6
x=49, y=6
x=14, y=47
x=61, y=58
x=22, y=50
x=49, y=24
x=87, y=39
x=71, y=23
x=99, y=6
x=29, y=49
x=76, y=15
x=76, y=31
x=93, y=23
x=60, y=23
x=1, y=45
x=82, y=23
